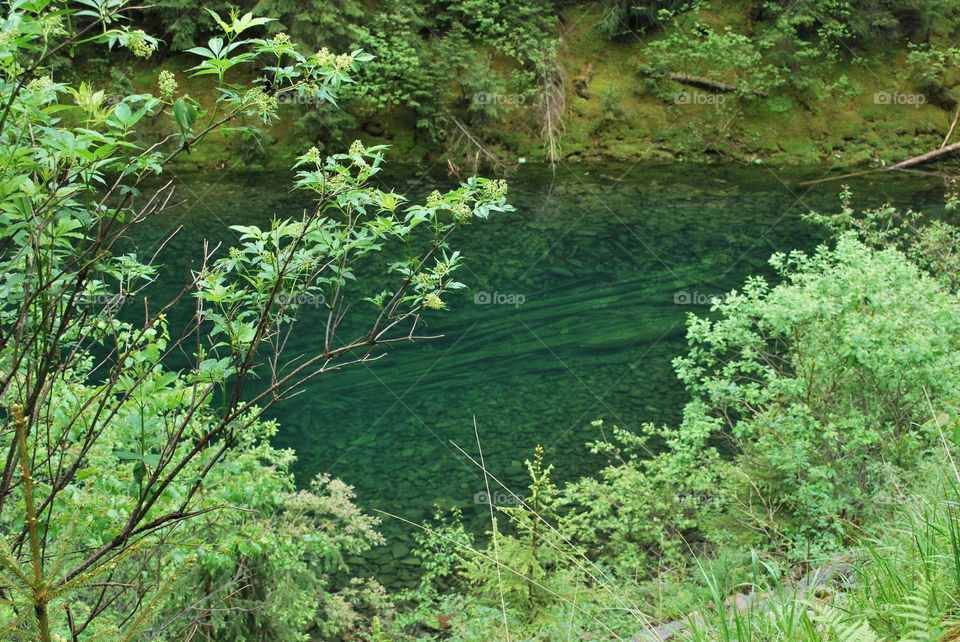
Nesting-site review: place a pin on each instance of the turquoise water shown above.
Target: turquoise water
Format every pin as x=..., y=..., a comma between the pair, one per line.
x=576, y=307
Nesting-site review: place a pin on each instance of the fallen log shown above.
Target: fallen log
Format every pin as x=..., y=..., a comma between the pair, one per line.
x=874, y=171
x=923, y=158
x=707, y=83
x=910, y=162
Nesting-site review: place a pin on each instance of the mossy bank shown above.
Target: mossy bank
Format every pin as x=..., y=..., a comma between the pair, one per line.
x=779, y=95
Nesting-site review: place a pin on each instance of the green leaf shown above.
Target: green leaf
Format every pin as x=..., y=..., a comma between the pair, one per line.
x=185, y=114
x=223, y=25
x=139, y=470
x=122, y=113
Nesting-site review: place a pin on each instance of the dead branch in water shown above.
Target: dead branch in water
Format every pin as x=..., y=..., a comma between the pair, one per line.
x=923, y=158
x=551, y=102
x=461, y=139
x=905, y=164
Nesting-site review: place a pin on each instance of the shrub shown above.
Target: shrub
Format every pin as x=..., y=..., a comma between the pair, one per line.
x=130, y=490
x=931, y=243
x=645, y=508
x=806, y=411
x=819, y=382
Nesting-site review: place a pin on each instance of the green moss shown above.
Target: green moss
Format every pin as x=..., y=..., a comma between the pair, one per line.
x=628, y=116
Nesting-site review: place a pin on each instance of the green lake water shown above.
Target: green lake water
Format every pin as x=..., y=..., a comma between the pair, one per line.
x=576, y=306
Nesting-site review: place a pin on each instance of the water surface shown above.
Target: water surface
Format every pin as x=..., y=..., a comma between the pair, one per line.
x=576, y=306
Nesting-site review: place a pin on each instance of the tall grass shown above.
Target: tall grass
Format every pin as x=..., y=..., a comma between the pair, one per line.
x=900, y=582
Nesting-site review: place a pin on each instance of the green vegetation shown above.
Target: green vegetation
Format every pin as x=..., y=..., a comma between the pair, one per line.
x=140, y=502
x=809, y=492
x=484, y=83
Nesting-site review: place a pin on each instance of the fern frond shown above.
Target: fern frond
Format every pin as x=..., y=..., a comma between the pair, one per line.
x=835, y=625
x=920, y=615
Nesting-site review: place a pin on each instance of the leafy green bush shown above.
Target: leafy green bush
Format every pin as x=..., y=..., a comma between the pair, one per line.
x=405, y=78
x=929, y=242
x=644, y=508
x=806, y=395
x=807, y=39
x=472, y=38
x=931, y=66
x=138, y=502
x=820, y=382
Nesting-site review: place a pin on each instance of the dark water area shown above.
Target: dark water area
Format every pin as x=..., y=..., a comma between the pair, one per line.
x=575, y=308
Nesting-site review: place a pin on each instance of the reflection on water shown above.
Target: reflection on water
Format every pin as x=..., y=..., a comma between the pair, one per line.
x=576, y=307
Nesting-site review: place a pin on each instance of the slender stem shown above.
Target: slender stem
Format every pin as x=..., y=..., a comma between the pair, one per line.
x=39, y=591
